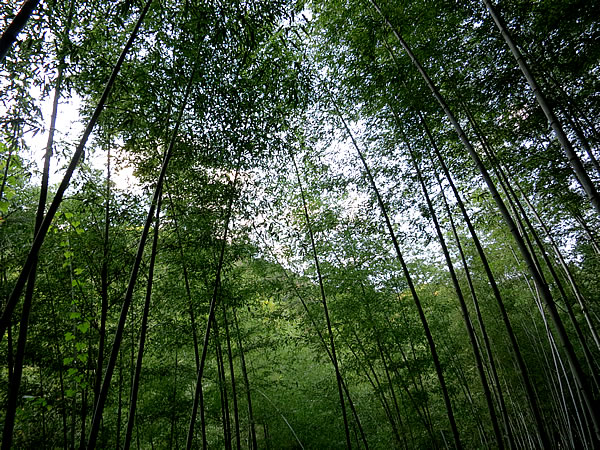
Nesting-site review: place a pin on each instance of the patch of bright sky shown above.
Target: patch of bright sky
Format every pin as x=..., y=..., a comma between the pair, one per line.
x=69, y=129
x=340, y=156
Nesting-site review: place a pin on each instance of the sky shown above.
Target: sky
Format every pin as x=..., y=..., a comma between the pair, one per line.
x=69, y=129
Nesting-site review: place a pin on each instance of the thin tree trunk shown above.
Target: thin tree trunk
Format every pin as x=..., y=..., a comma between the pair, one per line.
x=73, y=419
x=211, y=315
x=390, y=384
x=415, y=296
x=463, y=259
x=120, y=402
x=222, y=386
x=236, y=416
x=581, y=221
x=323, y=343
x=382, y=355
x=192, y=315
x=571, y=110
x=43, y=229
x=482, y=328
x=9, y=36
x=172, y=437
x=543, y=288
x=266, y=436
x=464, y=384
x=202, y=419
x=560, y=412
x=15, y=380
x=132, y=329
x=344, y=386
x=575, y=125
x=6, y=169
x=510, y=193
x=85, y=394
x=253, y=444
x=282, y=416
x=42, y=395
x=496, y=291
x=577, y=292
x=516, y=205
x=9, y=340
x=502, y=175
x=17, y=369
x=425, y=414
x=187, y=282
x=338, y=375
x=223, y=398
x=103, y=284
x=57, y=341
x=461, y=300
x=559, y=368
x=519, y=210
x=589, y=358
x=557, y=360
x=574, y=160
x=143, y=331
x=134, y=272
x=378, y=390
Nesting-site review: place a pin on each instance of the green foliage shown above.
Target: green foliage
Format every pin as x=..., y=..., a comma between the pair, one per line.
x=272, y=81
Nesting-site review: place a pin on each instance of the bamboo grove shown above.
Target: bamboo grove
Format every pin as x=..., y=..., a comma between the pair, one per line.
x=353, y=224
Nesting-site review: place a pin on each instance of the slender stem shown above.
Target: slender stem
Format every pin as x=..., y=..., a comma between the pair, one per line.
x=43, y=230
x=322, y=340
x=211, y=315
x=103, y=284
x=525, y=253
x=574, y=160
x=461, y=299
x=143, y=331
x=282, y=416
x=97, y=418
x=482, y=328
x=15, y=380
x=9, y=36
x=252, y=441
x=334, y=358
x=411, y=286
x=529, y=390
x=236, y=417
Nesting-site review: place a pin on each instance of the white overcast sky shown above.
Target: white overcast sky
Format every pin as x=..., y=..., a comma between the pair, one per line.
x=69, y=130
